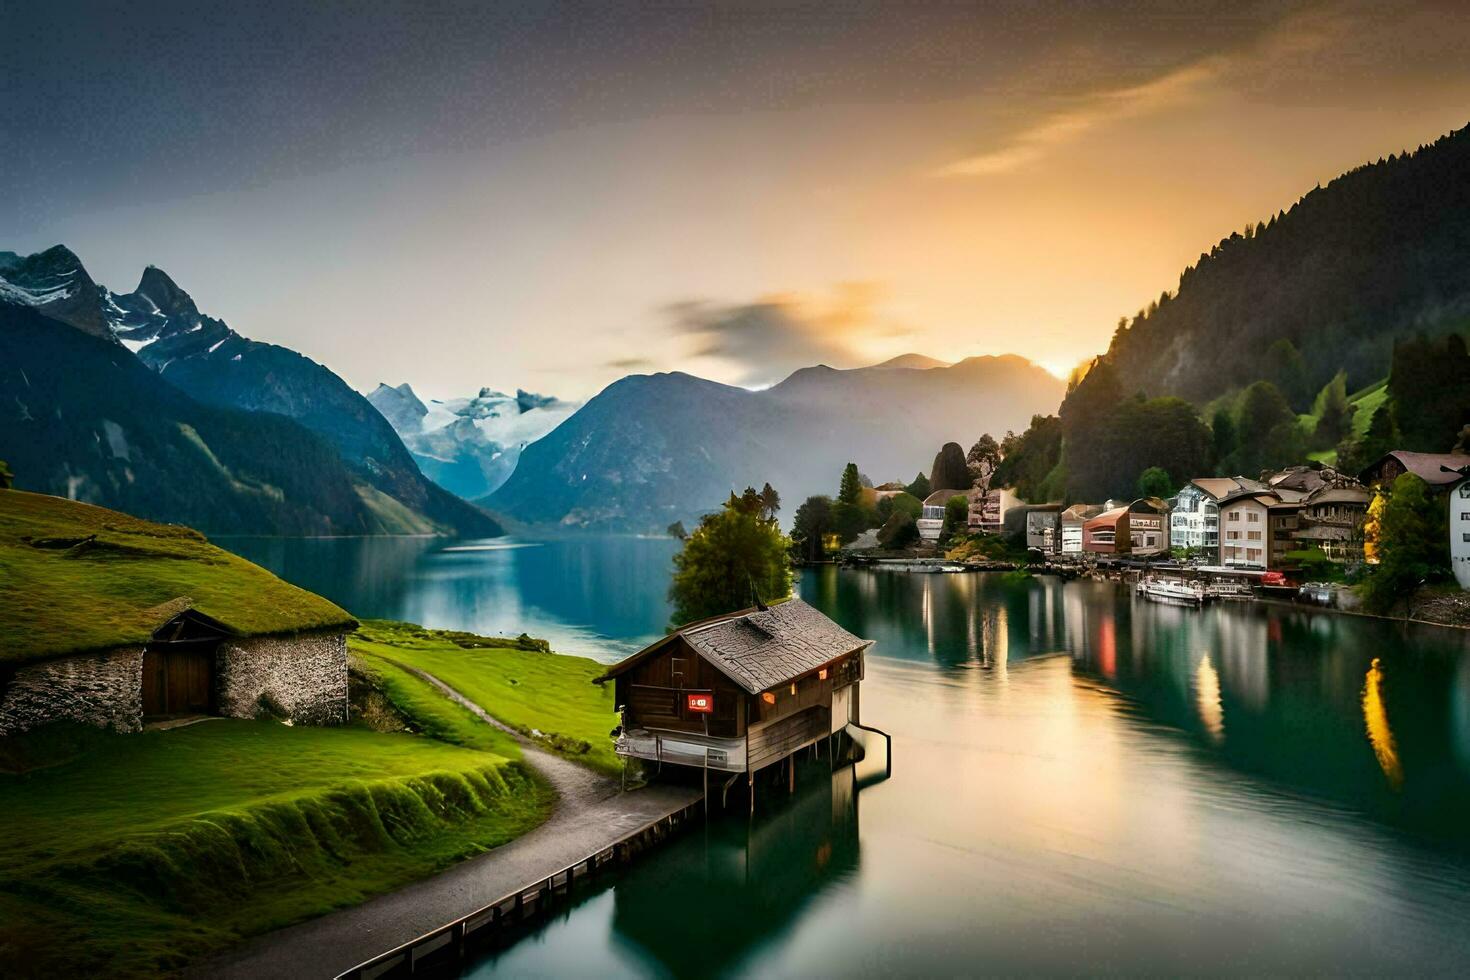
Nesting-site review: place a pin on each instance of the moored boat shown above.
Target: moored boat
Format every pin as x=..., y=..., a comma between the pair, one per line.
x=1170, y=590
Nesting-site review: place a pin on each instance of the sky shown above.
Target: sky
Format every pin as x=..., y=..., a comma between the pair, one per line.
x=552, y=196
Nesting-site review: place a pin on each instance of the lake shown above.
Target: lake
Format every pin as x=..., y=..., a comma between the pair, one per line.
x=1083, y=781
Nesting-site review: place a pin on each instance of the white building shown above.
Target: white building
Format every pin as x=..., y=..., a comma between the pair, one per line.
x=1460, y=532
x=1194, y=519
x=931, y=519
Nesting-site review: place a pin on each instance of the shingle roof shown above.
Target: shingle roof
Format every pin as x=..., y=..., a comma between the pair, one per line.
x=762, y=649
x=1426, y=466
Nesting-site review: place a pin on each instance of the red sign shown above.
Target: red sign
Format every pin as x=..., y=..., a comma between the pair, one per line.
x=699, y=704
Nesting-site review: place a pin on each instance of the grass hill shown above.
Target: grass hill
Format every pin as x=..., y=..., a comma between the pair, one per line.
x=78, y=577
x=1379, y=253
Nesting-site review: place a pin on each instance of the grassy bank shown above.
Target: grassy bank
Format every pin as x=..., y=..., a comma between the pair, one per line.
x=135, y=854
x=549, y=697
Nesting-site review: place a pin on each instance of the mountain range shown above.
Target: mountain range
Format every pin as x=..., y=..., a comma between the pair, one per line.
x=469, y=446
x=140, y=402
x=652, y=449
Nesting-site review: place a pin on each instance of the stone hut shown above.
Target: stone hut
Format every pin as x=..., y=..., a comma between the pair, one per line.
x=77, y=648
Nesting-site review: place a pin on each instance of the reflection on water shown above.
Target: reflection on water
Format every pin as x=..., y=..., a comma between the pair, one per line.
x=1084, y=782
x=594, y=597
x=1376, y=717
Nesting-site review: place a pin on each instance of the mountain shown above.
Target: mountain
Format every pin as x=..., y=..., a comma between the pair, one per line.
x=1380, y=252
x=921, y=362
x=652, y=449
x=369, y=482
x=469, y=446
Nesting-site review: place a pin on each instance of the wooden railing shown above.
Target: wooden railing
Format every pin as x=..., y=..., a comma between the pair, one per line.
x=442, y=951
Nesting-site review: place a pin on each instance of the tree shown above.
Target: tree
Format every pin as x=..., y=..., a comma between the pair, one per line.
x=1410, y=538
x=1030, y=458
x=956, y=518
x=1222, y=436
x=1334, y=413
x=950, y=472
x=810, y=528
x=1155, y=482
x=1269, y=436
x=7, y=478
x=770, y=502
x=1429, y=392
x=920, y=488
x=851, y=487
x=899, y=531
x=1285, y=369
x=982, y=460
x=676, y=530
x=730, y=554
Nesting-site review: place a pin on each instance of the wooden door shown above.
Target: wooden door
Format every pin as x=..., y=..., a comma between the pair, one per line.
x=177, y=682
x=155, y=688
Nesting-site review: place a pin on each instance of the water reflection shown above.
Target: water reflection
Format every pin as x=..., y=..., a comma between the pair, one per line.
x=595, y=597
x=715, y=898
x=1379, y=732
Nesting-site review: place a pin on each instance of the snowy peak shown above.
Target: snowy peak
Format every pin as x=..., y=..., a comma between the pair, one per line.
x=55, y=283
x=400, y=406
x=469, y=446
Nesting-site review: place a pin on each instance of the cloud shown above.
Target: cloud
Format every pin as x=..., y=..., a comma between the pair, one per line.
x=1286, y=44
x=1088, y=113
x=766, y=339
x=629, y=363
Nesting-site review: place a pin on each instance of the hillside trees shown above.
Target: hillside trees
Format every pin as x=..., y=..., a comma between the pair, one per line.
x=1155, y=482
x=1334, y=414
x=920, y=488
x=1429, y=390
x=1268, y=435
x=732, y=552
x=1030, y=460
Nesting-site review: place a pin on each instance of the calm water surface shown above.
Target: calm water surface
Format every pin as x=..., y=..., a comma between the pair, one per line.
x=591, y=596
x=1083, y=782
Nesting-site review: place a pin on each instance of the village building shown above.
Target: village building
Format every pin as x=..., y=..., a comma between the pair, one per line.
x=1331, y=519
x=1244, y=519
x=1039, y=525
x=1282, y=520
x=1194, y=513
x=740, y=692
x=1139, y=528
x=248, y=645
x=1460, y=531
x=931, y=518
x=988, y=508
x=1072, y=522
x=1444, y=473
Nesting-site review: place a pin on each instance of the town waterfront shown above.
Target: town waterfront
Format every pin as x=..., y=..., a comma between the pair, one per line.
x=1083, y=781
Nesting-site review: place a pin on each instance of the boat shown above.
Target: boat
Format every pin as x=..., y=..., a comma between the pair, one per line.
x=1317, y=593
x=1170, y=590
x=1229, y=590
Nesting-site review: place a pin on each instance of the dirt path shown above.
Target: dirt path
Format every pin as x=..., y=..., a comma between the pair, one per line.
x=590, y=814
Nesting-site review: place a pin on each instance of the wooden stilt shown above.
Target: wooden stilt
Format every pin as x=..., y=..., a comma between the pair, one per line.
x=750, y=779
x=791, y=773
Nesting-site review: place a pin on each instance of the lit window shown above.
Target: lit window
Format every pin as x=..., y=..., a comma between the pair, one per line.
x=822, y=674
x=769, y=697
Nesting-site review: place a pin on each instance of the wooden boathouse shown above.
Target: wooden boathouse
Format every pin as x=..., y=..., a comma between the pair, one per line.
x=739, y=692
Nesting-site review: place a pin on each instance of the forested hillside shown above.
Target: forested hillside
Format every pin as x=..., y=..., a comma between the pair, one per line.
x=1381, y=252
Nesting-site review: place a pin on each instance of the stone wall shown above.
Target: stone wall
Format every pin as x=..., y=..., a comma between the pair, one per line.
x=102, y=689
x=303, y=678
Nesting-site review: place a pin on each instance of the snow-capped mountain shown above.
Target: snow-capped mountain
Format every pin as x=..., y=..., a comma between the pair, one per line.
x=469, y=446
x=203, y=361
